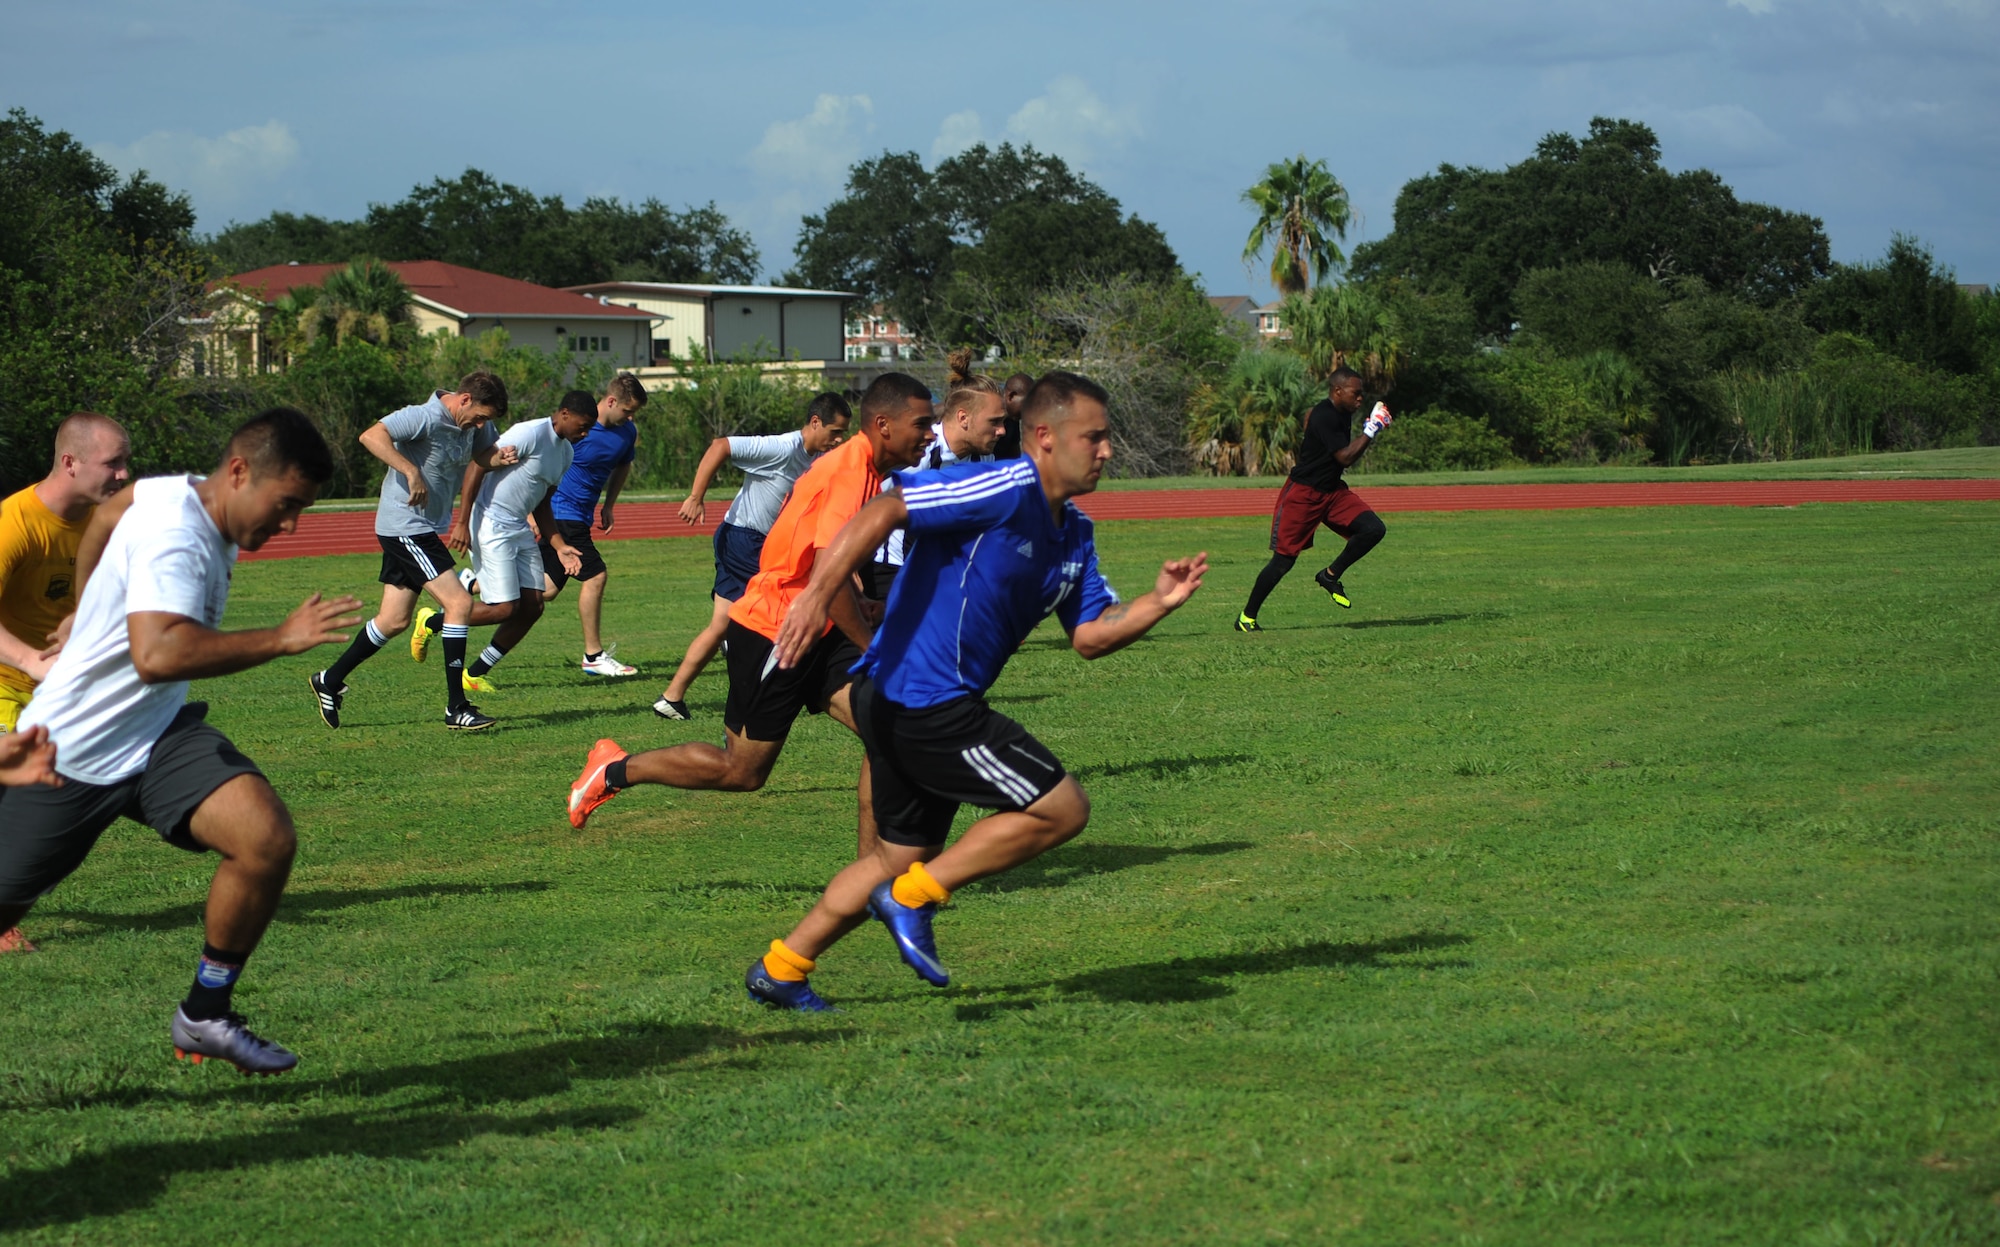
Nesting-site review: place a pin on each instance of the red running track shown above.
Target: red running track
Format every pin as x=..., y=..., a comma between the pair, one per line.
x=353, y=532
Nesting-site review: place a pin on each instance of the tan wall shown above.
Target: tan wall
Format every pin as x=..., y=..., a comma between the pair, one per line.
x=684, y=321
x=813, y=329
x=631, y=341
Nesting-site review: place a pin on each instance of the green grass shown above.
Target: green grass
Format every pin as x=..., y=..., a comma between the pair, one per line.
x=1603, y=877
x=1973, y=461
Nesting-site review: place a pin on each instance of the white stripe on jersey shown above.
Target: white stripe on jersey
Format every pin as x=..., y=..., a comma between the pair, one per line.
x=944, y=493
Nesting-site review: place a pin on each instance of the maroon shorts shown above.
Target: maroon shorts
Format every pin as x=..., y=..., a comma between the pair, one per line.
x=1302, y=509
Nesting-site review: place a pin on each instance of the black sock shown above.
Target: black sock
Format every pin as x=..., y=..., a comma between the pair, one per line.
x=488, y=659
x=593, y=657
x=1267, y=580
x=614, y=775
x=214, y=981
x=1363, y=535
x=435, y=622
x=454, y=666
x=359, y=650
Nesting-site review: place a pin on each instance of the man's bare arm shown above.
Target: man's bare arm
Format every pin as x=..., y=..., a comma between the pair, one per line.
x=833, y=572
x=693, y=508
x=1126, y=622
x=97, y=535
x=459, y=535
x=375, y=439
x=168, y=647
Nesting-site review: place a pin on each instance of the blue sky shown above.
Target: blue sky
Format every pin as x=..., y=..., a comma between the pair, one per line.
x=1876, y=115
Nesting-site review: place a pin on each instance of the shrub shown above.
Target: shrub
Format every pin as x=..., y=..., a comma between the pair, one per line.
x=1435, y=440
x=1249, y=422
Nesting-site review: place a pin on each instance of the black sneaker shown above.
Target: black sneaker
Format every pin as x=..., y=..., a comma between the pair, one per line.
x=468, y=719
x=1326, y=580
x=1246, y=624
x=672, y=710
x=327, y=697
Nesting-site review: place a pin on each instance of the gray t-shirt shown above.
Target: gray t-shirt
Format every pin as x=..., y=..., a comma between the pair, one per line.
x=769, y=466
x=509, y=494
x=427, y=436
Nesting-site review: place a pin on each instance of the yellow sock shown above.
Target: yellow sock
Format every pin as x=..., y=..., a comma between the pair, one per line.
x=918, y=888
x=786, y=966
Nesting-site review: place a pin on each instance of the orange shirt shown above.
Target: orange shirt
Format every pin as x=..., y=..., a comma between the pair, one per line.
x=836, y=486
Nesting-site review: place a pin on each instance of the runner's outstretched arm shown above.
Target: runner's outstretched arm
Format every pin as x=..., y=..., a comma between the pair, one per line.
x=1126, y=622
x=833, y=569
x=168, y=647
x=693, y=507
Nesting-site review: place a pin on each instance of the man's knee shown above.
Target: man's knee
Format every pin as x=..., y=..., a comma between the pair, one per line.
x=1370, y=525
x=1066, y=809
x=1282, y=563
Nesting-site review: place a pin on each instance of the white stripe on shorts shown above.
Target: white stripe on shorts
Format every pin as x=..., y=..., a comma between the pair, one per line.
x=998, y=774
x=417, y=555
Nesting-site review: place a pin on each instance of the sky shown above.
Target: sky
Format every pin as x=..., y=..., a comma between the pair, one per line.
x=1878, y=116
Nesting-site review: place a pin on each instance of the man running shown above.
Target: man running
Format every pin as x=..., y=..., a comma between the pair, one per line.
x=39, y=530
x=426, y=448
x=999, y=547
x=764, y=700
x=1315, y=494
x=155, y=566
x=603, y=460
x=973, y=418
x=506, y=559
x=769, y=466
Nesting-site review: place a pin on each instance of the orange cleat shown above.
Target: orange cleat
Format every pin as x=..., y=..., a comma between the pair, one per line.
x=590, y=791
x=182, y=1054
x=12, y=941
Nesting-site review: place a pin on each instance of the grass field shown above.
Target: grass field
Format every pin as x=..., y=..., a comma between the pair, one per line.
x=1603, y=877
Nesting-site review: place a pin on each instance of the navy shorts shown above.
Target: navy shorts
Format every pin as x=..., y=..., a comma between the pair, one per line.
x=577, y=533
x=737, y=551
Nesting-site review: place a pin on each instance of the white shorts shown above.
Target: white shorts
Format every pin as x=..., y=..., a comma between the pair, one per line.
x=506, y=563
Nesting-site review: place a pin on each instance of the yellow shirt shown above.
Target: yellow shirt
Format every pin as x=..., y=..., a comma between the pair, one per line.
x=37, y=573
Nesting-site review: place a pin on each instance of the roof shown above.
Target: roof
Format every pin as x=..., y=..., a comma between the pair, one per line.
x=701, y=291
x=450, y=288
x=1977, y=290
x=1233, y=304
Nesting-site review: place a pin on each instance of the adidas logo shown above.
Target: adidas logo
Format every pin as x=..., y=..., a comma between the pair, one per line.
x=1027, y=549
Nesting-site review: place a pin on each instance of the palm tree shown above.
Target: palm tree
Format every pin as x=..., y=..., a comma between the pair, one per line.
x=1350, y=325
x=1248, y=423
x=365, y=300
x=1301, y=210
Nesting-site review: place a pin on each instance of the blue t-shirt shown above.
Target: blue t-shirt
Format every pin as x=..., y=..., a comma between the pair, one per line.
x=598, y=455
x=983, y=566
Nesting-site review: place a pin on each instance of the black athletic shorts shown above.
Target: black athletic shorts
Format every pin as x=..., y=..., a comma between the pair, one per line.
x=924, y=764
x=765, y=699
x=577, y=533
x=413, y=562
x=877, y=578
x=45, y=833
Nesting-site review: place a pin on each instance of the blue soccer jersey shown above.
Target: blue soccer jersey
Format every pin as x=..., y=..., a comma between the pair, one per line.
x=602, y=451
x=985, y=564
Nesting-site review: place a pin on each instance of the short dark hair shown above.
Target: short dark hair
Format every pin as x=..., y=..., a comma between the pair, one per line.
x=578, y=403
x=1339, y=376
x=1027, y=380
x=889, y=393
x=1058, y=391
x=488, y=391
x=825, y=407
x=626, y=389
x=279, y=440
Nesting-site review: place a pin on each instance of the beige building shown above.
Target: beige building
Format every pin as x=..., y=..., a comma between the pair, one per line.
x=728, y=322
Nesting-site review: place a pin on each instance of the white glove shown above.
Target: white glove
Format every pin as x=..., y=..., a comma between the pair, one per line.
x=1378, y=420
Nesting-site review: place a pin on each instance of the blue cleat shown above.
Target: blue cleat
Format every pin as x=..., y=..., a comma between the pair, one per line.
x=799, y=996
x=911, y=929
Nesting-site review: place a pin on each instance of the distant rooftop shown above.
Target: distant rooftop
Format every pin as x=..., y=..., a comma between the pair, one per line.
x=450, y=287
x=696, y=288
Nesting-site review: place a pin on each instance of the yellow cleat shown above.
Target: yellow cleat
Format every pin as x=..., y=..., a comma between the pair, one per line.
x=420, y=633
x=478, y=684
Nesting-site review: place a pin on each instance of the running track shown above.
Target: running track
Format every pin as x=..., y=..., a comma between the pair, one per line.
x=353, y=532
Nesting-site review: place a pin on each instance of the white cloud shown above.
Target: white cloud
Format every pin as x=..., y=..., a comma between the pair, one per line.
x=959, y=131
x=218, y=171
x=1894, y=8
x=816, y=149
x=1070, y=121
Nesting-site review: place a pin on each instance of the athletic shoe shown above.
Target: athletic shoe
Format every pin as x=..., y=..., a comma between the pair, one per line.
x=590, y=791
x=420, y=634
x=1326, y=580
x=1246, y=624
x=227, y=1038
x=911, y=929
x=607, y=664
x=672, y=710
x=777, y=993
x=12, y=941
x=329, y=699
x=468, y=719
x=477, y=683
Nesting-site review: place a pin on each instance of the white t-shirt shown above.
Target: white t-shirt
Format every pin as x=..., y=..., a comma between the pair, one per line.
x=165, y=555
x=508, y=494
x=769, y=466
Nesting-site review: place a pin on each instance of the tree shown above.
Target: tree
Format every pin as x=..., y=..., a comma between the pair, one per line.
x=365, y=300
x=1248, y=423
x=955, y=250
x=1606, y=198
x=1299, y=203
x=1347, y=324
x=483, y=223
x=1906, y=303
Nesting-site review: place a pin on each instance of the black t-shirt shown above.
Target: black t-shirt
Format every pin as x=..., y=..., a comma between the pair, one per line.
x=1328, y=429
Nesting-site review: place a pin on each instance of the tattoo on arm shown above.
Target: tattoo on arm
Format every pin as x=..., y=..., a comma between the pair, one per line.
x=1115, y=614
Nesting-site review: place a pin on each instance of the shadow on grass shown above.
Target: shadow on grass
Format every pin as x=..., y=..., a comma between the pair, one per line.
x=1162, y=768
x=1072, y=862
x=1419, y=621
x=458, y=1108
x=549, y=718
x=1187, y=979
x=298, y=908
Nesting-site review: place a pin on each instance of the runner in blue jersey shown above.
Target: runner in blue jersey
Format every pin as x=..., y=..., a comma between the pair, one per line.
x=994, y=549
x=603, y=460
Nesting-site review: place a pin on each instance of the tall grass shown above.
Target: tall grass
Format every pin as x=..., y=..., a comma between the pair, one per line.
x=1796, y=415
